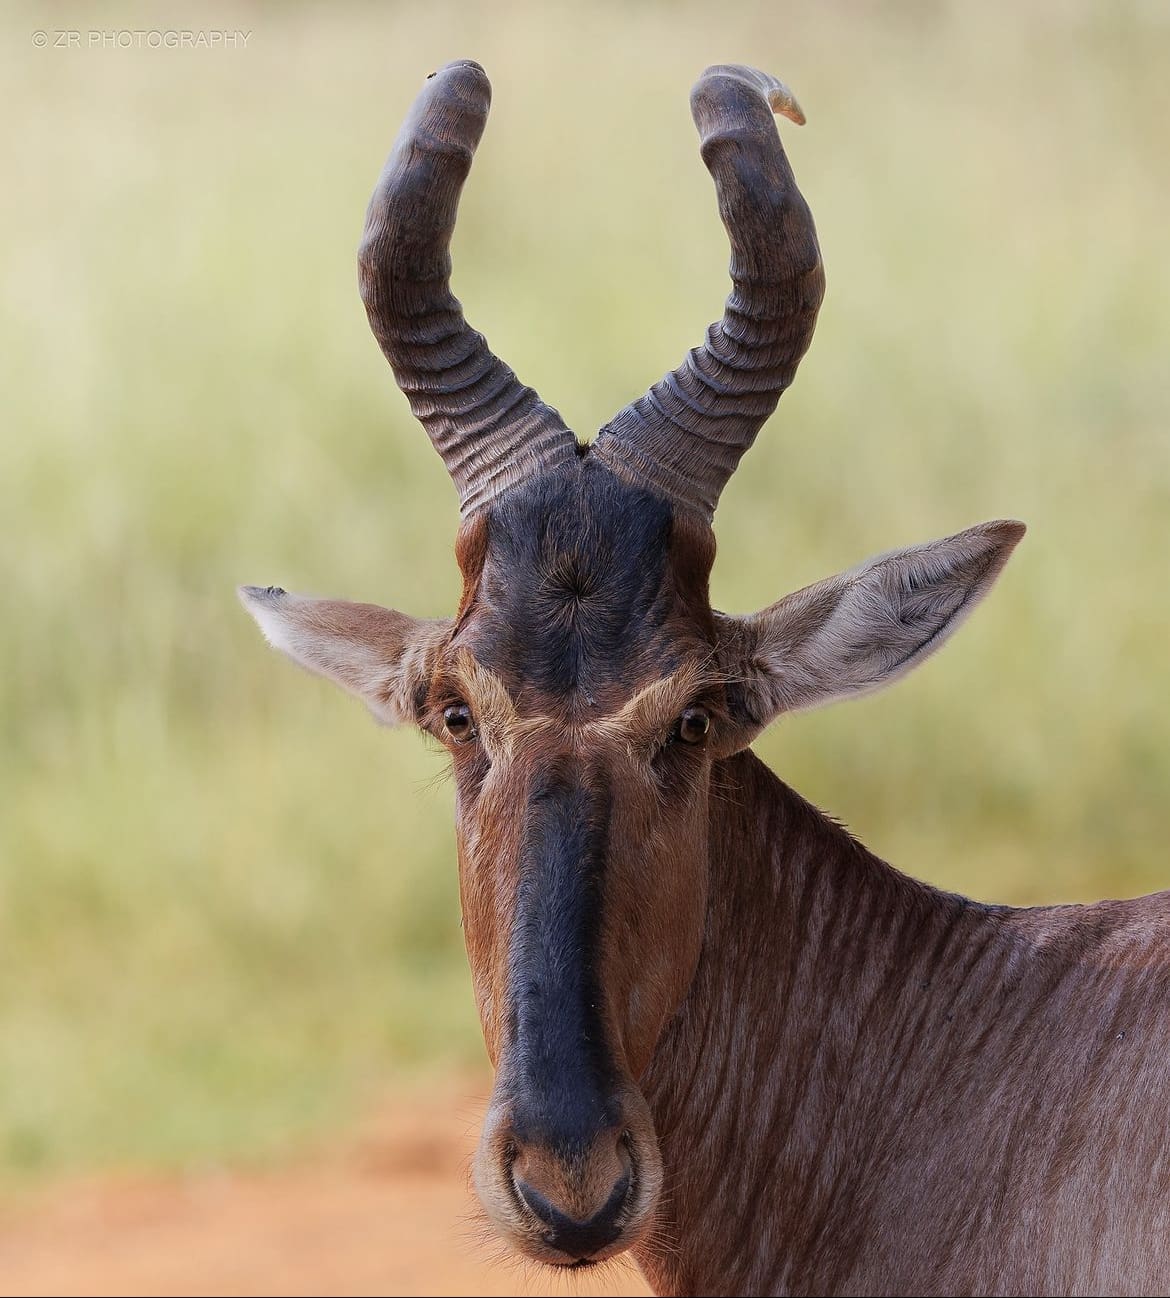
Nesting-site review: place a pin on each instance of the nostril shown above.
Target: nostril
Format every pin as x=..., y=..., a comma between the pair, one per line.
x=578, y=1239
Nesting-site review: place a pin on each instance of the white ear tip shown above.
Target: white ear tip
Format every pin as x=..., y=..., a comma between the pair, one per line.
x=259, y=594
x=274, y=612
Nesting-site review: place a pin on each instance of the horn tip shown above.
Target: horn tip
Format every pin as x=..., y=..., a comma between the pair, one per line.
x=772, y=90
x=783, y=103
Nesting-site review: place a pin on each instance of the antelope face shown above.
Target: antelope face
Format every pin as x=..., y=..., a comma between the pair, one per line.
x=579, y=699
x=585, y=689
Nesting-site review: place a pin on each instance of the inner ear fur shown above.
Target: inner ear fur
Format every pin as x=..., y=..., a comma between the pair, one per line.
x=860, y=630
x=384, y=657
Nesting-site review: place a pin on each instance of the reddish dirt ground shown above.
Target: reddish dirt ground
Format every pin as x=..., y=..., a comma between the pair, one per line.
x=386, y=1212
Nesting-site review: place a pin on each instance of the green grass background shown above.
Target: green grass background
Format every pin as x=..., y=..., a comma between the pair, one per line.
x=228, y=908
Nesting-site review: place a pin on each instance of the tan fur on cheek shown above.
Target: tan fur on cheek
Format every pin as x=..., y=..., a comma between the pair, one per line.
x=655, y=900
x=640, y=727
x=489, y=861
x=496, y=719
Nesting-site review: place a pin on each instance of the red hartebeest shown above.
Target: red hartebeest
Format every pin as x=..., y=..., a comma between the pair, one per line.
x=725, y=1035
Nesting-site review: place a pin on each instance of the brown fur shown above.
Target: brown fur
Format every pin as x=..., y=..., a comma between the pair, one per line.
x=876, y=1088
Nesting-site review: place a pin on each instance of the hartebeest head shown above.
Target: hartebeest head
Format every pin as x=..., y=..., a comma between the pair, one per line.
x=585, y=688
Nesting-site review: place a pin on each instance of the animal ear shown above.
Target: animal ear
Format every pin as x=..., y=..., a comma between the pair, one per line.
x=382, y=656
x=864, y=628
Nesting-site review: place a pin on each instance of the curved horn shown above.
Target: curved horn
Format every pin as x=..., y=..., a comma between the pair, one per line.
x=490, y=429
x=686, y=435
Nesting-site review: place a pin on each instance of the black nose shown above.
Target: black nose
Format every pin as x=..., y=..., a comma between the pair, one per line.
x=579, y=1239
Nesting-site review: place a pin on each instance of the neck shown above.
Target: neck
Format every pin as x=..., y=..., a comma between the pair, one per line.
x=775, y=1080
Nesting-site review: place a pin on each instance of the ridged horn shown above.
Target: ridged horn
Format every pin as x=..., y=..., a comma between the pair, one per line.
x=685, y=437
x=490, y=429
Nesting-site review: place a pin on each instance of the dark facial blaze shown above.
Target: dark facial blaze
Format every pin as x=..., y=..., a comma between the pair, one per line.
x=582, y=638
x=562, y=1067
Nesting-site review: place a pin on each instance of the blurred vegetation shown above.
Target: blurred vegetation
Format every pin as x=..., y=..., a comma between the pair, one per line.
x=228, y=902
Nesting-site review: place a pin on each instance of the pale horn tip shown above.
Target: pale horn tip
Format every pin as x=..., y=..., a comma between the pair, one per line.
x=777, y=95
x=783, y=103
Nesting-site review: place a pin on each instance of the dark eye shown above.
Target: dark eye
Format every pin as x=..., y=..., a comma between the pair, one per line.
x=458, y=723
x=693, y=725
